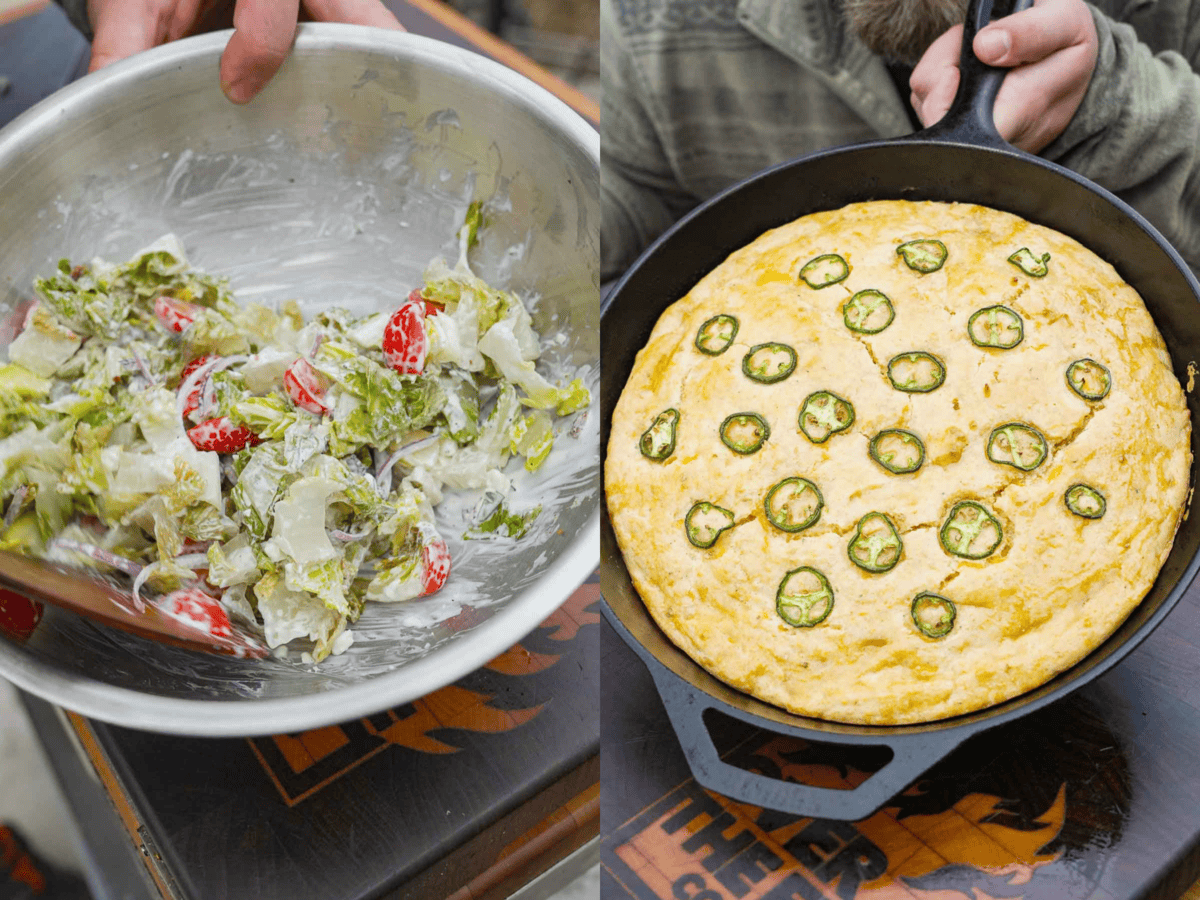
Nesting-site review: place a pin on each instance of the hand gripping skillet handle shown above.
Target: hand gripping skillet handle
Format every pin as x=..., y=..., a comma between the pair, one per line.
x=971, y=119
x=913, y=755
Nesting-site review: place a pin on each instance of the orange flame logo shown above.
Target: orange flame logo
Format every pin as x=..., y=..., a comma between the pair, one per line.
x=301, y=764
x=697, y=844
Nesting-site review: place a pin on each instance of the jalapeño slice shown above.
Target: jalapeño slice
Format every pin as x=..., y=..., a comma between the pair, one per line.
x=868, y=312
x=996, y=326
x=1084, y=500
x=705, y=522
x=916, y=372
x=933, y=614
x=923, y=255
x=824, y=270
x=804, y=598
x=970, y=531
x=769, y=363
x=744, y=432
x=794, y=504
x=1089, y=379
x=658, y=441
x=823, y=414
x=897, y=450
x=715, y=335
x=1034, y=266
x=876, y=545
x=1018, y=445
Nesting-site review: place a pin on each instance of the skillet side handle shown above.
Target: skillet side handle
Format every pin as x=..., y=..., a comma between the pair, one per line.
x=912, y=756
x=970, y=119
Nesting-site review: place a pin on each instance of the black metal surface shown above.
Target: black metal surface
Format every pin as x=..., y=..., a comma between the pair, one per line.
x=686, y=703
x=969, y=119
x=962, y=159
x=381, y=806
x=113, y=870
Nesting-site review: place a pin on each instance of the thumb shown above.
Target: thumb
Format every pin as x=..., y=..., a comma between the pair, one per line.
x=940, y=97
x=262, y=38
x=122, y=28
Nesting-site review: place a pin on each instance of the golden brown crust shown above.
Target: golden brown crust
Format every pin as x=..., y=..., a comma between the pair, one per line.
x=1057, y=585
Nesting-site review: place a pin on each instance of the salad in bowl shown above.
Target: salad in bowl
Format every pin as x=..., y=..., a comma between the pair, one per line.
x=245, y=468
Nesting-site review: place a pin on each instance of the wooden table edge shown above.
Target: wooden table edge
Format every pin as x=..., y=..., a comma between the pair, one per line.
x=11, y=14
x=121, y=802
x=500, y=51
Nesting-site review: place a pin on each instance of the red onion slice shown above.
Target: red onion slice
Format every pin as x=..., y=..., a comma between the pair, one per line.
x=107, y=557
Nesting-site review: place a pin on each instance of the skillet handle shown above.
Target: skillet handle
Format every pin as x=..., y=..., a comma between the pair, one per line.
x=970, y=119
x=912, y=755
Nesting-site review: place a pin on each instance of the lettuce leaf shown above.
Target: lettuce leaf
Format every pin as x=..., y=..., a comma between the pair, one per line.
x=233, y=562
x=501, y=346
x=495, y=520
x=289, y=614
x=263, y=479
x=87, y=307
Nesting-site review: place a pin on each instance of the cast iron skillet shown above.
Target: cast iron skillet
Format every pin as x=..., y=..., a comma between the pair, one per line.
x=961, y=158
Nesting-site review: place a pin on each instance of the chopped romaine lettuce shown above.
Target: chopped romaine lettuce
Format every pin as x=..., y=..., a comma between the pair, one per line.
x=474, y=220
x=263, y=479
x=460, y=286
x=87, y=307
x=297, y=517
x=501, y=346
x=299, y=533
x=232, y=562
x=461, y=411
x=44, y=345
x=537, y=439
x=289, y=614
x=494, y=519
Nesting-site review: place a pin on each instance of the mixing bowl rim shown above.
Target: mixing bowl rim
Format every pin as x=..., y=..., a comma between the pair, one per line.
x=313, y=36
x=248, y=717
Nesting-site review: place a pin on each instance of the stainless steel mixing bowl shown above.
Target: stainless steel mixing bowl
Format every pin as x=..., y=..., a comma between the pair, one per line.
x=336, y=186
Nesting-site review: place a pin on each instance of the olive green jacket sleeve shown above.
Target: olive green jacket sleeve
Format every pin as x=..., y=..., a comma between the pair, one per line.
x=640, y=193
x=1137, y=131
x=698, y=94
x=701, y=93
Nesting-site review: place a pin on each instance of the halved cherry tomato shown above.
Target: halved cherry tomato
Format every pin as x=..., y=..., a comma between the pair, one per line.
x=175, y=315
x=432, y=307
x=435, y=557
x=19, y=616
x=198, y=609
x=304, y=385
x=404, y=340
x=222, y=436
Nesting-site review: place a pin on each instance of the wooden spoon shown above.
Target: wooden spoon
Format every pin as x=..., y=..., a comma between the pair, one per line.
x=179, y=623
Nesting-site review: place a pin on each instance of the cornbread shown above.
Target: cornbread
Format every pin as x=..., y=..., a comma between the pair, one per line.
x=898, y=461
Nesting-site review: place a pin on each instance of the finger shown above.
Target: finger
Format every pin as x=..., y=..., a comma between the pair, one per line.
x=198, y=16
x=262, y=37
x=942, y=54
x=215, y=15
x=353, y=12
x=937, y=102
x=1033, y=34
x=1036, y=101
x=181, y=18
x=122, y=28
